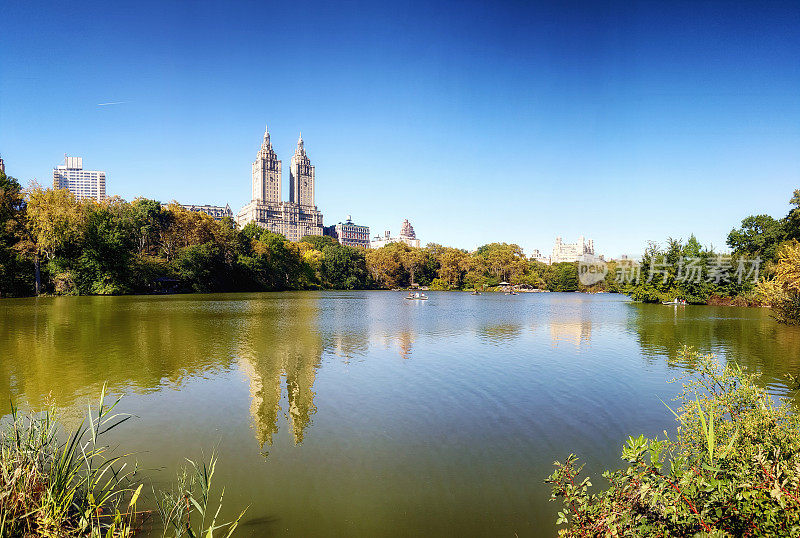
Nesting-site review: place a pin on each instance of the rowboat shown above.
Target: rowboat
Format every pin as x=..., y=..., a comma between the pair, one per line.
x=417, y=296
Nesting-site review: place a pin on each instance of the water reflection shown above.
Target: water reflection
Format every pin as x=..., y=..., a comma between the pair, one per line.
x=748, y=336
x=497, y=333
x=577, y=333
x=281, y=341
x=67, y=347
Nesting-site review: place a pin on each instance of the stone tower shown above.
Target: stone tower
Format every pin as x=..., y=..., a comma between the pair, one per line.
x=266, y=173
x=301, y=177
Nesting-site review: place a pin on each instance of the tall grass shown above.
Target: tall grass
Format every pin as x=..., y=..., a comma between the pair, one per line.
x=69, y=484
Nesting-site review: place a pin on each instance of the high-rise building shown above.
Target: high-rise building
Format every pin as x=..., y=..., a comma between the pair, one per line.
x=582, y=251
x=266, y=173
x=301, y=177
x=294, y=219
x=349, y=233
x=2, y=166
x=82, y=183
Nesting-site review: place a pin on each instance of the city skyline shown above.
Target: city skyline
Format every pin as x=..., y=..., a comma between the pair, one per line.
x=623, y=123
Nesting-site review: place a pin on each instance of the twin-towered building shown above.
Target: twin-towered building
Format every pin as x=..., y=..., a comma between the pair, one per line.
x=294, y=219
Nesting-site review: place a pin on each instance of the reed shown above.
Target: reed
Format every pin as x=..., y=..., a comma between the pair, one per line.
x=63, y=484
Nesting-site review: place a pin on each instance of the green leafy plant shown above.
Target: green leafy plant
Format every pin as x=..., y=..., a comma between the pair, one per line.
x=186, y=510
x=732, y=468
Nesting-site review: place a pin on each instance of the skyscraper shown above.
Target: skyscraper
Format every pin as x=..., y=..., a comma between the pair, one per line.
x=294, y=219
x=301, y=177
x=266, y=173
x=82, y=183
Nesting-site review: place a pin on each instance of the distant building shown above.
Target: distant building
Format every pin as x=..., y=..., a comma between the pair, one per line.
x=582, y=251
x=406, y=236
x=539, y=257
x=82, y=183
x=216, y=212
x=2, y=166
x=294, y=219
x=348, y=233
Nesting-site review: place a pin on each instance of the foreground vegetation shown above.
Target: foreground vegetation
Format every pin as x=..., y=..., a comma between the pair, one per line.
x=732, y=468
x=69, y=484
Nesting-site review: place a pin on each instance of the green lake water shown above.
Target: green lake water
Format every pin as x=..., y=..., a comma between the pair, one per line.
x=365, y=414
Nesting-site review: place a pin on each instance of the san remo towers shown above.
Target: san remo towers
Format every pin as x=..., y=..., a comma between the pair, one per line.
x=294, y=219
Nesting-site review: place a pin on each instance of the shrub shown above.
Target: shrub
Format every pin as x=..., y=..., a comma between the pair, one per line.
x=731, y=469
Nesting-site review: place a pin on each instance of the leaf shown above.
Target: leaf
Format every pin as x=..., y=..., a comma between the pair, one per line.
x=135, y=496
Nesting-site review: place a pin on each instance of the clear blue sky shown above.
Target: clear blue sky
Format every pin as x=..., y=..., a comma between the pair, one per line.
x=477, y=121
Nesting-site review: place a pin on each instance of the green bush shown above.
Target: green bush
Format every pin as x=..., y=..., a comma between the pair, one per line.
x=731, y=469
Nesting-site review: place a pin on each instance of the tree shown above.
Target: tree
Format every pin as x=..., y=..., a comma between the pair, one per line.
x=412, y=260
x=385, y=265
x=108, y=244
x=54, y=223
x=451, y=266
x=758, y=235
x=12, y=213
x=148, y=220
x=782, y=291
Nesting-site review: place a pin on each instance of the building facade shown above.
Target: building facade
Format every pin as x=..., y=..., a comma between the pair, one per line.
x=82, y=183
x=536, y=255
x=294, y=219
x=582, y=251
x=216, y=212
x=407, y=236
x=350, y=234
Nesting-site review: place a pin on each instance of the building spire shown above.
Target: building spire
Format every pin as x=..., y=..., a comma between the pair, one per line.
x=300, y=140
x=266, y=136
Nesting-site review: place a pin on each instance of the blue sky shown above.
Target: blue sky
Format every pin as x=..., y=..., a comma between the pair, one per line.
x=477, y=121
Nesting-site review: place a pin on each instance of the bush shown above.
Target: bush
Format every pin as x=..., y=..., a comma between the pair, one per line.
x=731, y=469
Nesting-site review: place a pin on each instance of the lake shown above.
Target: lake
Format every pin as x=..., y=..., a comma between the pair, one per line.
x=365, y=414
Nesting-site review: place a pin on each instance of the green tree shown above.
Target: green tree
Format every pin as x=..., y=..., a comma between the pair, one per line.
x=758, y=236
x=54, y=224
x=107, y=248
x=13, y=269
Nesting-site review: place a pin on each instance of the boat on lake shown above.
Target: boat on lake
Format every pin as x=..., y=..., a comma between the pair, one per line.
x=417, y=296
x=675, y=302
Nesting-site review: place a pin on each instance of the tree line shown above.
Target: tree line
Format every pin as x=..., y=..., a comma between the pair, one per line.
x=52, y=243
x=763, y=267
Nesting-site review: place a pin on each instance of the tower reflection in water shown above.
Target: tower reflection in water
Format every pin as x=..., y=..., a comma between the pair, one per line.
x=281, y=341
